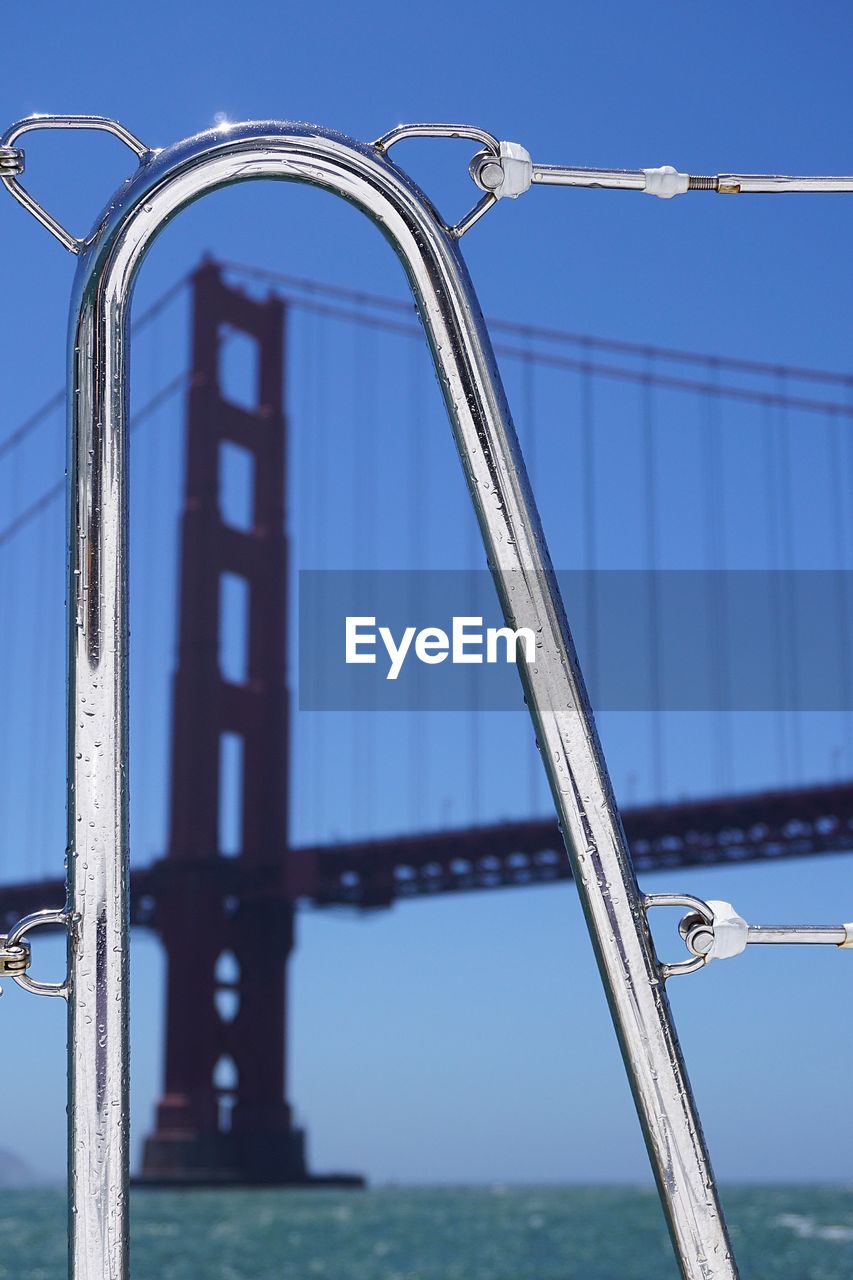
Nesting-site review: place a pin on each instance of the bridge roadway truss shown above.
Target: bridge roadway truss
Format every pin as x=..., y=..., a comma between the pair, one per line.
x=762, y=826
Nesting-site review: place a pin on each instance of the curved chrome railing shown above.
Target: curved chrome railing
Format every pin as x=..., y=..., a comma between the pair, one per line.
x=164, y=183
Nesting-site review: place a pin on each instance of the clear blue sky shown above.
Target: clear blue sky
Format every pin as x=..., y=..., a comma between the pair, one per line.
x=467, y=1040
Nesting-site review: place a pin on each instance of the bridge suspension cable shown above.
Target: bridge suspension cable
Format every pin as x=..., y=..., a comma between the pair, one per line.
x=308, y=294
x=539, y=356
x=643, y=350
x=57, y=490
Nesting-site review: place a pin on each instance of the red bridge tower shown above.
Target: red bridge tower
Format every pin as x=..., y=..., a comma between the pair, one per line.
x=223, y=1117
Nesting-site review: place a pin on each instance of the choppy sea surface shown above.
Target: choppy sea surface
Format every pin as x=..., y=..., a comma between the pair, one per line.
x=488, y=1233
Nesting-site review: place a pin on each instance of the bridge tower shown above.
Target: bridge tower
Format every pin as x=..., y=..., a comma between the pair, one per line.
x=223, y=1116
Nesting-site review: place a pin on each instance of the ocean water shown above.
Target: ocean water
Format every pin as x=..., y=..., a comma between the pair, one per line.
x=489, y=1233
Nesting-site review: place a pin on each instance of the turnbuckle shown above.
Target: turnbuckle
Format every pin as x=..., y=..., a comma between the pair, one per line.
x=16, y=953
x=713, y=930
x=511, y=172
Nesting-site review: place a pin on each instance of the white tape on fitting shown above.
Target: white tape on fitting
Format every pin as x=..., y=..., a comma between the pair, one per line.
x=665, y=182
x=517, y=170
x=731, y=933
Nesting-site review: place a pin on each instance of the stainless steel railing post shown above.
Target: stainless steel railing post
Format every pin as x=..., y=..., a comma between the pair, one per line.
x=98, y=848
x=98, y=837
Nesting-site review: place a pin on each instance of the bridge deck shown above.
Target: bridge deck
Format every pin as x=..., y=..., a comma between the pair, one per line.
x=751, y=827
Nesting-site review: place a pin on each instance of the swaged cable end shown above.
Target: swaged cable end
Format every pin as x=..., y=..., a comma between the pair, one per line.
x=509, y=173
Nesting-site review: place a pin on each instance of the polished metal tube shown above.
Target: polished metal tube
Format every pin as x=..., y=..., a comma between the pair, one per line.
x=562, y=175
x=490, y=455
x=837, y=936
x=98, y=840
x=779, y=184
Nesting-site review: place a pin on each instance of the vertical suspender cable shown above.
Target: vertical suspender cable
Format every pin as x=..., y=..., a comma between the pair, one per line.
x=299, y=508
x=649, y=446
x=534, y=784
x=590, y=549
x=715, y=559
x=304, y=439
x=363, y=506
x=39, y=854
x=779, y=653
x=846, y=469
x=418, y=722
x=322, y=362
x=12, y=764
x=789, y=631
x=27, y=682
x=842, y=595
x=6, y=565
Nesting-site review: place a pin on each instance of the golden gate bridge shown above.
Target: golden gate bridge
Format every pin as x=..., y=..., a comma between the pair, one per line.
x=700, y=455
